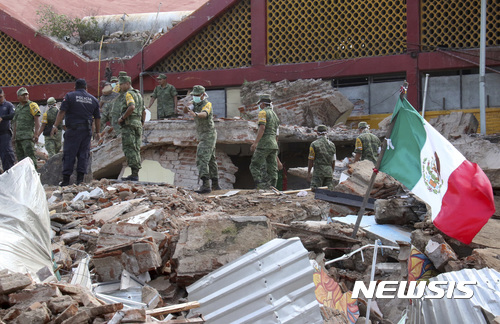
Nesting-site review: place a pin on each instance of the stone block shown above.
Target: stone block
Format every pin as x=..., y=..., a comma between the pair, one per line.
x=399, y=211
x=103, y=309
x=59, y=304
x=440, y=254
x=13, y=282
x=486, y=258
x=80, y=318
x=40, y=315
x=134, y=316
x=211, y=241
x=41, y=293
x=136, y=257
x=68, y=312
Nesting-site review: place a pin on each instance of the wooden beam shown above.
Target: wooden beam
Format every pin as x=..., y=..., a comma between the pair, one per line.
x=172, y=308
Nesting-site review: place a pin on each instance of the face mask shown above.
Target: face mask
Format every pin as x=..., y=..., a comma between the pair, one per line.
x=113, y=85
x=196, y=99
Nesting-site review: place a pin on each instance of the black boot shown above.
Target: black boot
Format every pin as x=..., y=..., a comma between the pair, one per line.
x=65, y=181
x=205, y=187
x=215, y=184
x=132, y=177
x=79, y=177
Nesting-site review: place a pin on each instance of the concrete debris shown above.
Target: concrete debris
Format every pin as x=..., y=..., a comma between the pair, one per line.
x=440, y=253
x=455, y=124
x=303, y=102
x=399, y=211
x=210, y=242
x=360, y=174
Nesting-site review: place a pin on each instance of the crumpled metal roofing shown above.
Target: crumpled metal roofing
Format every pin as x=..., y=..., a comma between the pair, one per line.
x=271, y=284
x=456, y=311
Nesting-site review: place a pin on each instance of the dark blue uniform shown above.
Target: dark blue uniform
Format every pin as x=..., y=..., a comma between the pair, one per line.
x=80, y=107
x=6, y=151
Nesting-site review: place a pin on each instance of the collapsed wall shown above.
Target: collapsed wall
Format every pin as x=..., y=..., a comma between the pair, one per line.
x=307, y=102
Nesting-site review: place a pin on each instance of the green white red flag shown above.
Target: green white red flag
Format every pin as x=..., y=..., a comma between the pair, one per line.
x=458, y=191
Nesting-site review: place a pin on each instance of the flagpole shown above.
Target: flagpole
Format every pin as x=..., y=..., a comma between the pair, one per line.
x=377, y=166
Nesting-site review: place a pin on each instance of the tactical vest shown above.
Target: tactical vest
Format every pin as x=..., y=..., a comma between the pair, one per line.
x=204, y=125
x=51, y=119
x=135, y=119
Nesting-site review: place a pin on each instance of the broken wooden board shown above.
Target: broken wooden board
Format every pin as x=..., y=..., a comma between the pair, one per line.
x=172, y=308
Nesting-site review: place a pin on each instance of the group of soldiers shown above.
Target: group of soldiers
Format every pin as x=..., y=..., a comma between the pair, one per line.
x=123, y=107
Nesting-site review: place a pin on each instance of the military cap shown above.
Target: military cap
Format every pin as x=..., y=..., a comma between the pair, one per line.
x=124, y=79
x=362, y=125
x=51, y=101
x=162, y=76
x=322, y=128
x=114, y=79
x=122, y=73
x=264, y=98
x=198, y=90
x=21, y=91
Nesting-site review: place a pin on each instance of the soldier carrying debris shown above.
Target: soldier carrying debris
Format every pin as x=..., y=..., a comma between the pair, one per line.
x=322, y=157
x=367, y=144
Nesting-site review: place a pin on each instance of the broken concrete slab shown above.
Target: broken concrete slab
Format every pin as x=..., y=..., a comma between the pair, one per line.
x=483, y=152
x=399, y=211
x=455, y=124
x=59, y=304
x=360, y=175
x=50, y=172
x=209, y=242
x=110, y=213
x=40, y=293
x=12, y=282
x=486, y=258
x=306, y=102
x=39, y=315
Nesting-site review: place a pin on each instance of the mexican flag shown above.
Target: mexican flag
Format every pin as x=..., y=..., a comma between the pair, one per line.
x=458, y=191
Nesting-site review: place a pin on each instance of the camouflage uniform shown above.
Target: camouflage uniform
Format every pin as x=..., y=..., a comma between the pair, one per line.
x=207, y=138
x=367, y=144
x=322, y=152
x=132, y=128
x=52, y=143
x=24, y=121
x=107, y=111
x=165, y=100
x=264, y=165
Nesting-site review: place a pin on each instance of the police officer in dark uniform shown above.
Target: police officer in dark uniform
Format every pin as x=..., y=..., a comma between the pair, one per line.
x=6, y=151
x=78, y=108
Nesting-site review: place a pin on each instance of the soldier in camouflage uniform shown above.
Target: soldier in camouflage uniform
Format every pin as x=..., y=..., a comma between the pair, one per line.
x=26, y=126
x=52, y=143
x=367, y=144
x=131, y=121
x=207, y=137
x=264, y=164
x=167, y=98
x=106, y=103
x=322, y=157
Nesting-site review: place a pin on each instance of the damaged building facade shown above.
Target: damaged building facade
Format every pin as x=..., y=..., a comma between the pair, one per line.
x=138, y=252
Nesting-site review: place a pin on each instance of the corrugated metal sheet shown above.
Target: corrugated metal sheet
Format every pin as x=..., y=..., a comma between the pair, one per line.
x=271, y=284
x=456, y=311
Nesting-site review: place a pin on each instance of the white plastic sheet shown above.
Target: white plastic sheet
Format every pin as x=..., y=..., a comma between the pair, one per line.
x=24, y=221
